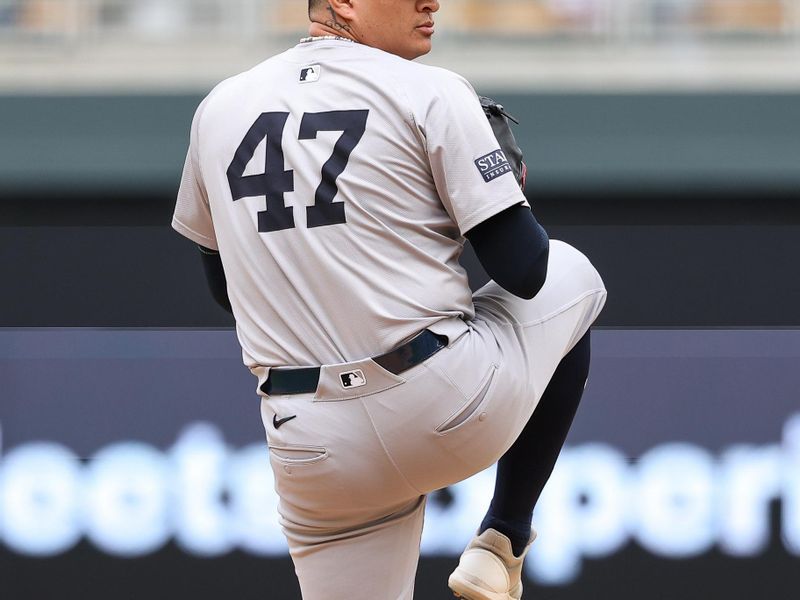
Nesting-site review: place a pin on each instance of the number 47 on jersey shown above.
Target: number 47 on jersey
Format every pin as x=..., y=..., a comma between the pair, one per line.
x=275, y=181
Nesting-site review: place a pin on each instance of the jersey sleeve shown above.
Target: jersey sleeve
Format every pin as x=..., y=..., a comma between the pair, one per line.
x=192, y=217
x=472, y=175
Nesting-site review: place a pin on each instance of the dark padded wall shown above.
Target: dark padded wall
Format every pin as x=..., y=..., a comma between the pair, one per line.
x=679, y=270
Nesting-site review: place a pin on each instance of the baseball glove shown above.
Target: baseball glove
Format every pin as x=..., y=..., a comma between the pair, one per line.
x=498, y=119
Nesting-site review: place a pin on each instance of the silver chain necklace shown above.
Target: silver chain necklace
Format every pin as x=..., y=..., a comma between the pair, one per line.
x=319, y=38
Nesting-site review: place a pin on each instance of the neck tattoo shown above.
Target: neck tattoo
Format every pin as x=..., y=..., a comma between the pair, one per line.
x=334, y=22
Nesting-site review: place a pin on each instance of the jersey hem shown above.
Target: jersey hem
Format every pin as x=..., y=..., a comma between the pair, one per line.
x=196, y=237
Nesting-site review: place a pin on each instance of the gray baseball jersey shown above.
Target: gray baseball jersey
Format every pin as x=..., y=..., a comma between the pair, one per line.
x=337, y=181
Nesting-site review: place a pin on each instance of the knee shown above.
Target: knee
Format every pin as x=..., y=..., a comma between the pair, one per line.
x=584, y=278
x=571, y=260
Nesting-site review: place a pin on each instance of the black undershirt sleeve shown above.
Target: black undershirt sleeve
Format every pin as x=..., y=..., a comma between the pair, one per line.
x=215, y=276
x=513, y=249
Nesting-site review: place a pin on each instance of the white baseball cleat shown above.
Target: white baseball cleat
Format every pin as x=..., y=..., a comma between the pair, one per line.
x=488, y=569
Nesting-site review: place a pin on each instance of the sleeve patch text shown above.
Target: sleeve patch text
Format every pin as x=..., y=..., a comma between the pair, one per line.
x=493, y=165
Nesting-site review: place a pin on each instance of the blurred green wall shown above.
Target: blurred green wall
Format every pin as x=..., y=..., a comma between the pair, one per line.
x=136, y=145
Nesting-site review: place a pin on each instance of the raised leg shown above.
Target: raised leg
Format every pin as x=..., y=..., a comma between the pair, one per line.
x=524, y=470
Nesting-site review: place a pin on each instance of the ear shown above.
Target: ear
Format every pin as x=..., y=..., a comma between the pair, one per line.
x=343, y=8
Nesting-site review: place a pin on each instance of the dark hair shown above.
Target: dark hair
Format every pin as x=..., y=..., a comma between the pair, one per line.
x=312, y=4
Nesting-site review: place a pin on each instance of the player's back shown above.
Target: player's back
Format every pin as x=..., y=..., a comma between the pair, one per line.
x=335, y=243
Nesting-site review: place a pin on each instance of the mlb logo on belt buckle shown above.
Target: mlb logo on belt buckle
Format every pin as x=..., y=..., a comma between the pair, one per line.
x=353, y=379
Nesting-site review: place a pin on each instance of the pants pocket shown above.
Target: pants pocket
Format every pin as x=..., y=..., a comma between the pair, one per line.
x=472, y=406
x=291, y=454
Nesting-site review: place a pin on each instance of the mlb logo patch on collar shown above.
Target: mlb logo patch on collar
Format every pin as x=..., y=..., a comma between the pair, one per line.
x=493, y=165
x=310, y=73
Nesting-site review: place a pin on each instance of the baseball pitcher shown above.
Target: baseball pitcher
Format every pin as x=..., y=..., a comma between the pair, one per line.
x=331, y=189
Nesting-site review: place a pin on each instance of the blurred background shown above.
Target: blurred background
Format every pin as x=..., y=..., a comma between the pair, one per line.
x=663, y=140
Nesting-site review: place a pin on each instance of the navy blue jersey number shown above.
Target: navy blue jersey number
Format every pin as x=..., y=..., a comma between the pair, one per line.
x=274, y=182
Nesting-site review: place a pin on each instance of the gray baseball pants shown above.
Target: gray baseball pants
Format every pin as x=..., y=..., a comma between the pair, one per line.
x=353, y=478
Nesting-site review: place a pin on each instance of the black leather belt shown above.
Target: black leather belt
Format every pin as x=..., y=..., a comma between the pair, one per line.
x=304, y=380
